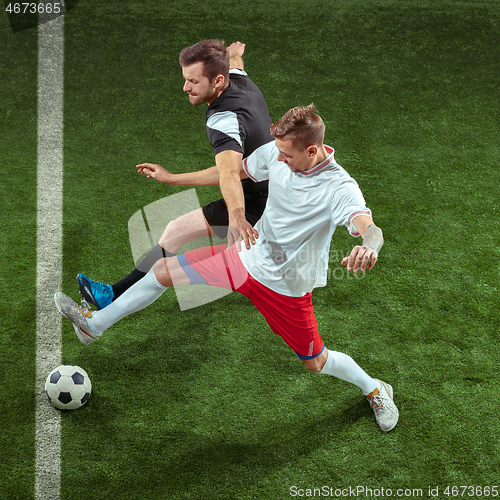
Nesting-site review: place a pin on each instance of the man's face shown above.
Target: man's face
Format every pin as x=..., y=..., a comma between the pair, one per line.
x=199, y=88
x=298, y=160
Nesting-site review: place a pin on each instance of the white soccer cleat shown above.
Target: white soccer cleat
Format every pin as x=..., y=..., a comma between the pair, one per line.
x=77, y=315
x=382, y=403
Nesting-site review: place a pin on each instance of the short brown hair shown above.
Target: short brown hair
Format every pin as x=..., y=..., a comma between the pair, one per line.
x=213, y=55
x=300, y=125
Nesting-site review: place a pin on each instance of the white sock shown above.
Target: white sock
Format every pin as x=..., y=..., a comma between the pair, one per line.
x=137, y=297
x=342, y=366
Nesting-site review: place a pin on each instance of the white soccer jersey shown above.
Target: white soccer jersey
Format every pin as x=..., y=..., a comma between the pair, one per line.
x=303, y=209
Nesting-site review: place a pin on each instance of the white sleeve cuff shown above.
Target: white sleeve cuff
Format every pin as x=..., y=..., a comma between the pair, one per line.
x=352, y=228
x=237, y=72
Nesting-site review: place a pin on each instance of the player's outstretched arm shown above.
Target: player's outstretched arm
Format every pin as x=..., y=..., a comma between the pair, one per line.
x=365, y=256
x=235, y=51
x=230, y=166
x=207, y=177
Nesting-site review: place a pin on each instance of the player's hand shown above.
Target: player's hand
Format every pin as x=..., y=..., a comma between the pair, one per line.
x=360, y=258
x=239, y=228
x=236, y=49
x=157, y=172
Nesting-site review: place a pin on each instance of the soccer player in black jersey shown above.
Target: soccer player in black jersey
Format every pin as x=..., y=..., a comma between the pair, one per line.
x=237, y=122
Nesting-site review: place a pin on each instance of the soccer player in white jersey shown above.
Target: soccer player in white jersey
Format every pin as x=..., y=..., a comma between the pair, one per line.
x=309, y=196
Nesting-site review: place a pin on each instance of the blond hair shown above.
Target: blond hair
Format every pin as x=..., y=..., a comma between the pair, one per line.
x=300, y=125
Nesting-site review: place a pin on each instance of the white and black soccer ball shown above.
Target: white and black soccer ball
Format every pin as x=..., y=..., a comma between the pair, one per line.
x=68, y=387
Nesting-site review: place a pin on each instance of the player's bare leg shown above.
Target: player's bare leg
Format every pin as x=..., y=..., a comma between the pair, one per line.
x=316, y=364
x=188, y=227
x=169, y=272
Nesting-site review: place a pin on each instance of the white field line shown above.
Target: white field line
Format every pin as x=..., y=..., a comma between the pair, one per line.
x=49, y=252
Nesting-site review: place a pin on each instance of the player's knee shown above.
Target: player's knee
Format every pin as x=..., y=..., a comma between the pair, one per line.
x=169, y=232
x=315, y=364
x=161, y=272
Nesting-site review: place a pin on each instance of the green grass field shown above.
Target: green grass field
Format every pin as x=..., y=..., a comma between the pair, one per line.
x=207, y=403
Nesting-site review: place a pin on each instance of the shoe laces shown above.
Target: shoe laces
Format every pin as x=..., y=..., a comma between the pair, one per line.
x=83, y=309
x=377, y=402
x=85, y=304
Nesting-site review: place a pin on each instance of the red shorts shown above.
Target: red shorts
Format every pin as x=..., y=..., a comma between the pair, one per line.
x=290, y=317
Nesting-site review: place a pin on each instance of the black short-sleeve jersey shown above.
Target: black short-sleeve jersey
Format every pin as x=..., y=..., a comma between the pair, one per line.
x=238, y=120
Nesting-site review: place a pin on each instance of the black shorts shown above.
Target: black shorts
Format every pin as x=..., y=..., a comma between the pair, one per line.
x=255, y=202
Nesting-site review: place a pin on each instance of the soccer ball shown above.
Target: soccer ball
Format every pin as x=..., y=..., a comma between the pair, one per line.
x=68, y=387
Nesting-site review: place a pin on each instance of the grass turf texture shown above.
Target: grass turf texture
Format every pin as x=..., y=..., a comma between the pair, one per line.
x=208, y=403
x=18, y=156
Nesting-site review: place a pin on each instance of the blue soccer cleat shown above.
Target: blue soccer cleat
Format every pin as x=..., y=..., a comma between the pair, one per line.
x=97, y=294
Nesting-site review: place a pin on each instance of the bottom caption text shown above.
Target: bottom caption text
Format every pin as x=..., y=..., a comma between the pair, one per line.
x=381, y=492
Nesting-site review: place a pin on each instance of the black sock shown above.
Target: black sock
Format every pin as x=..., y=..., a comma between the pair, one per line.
x=158, y=252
